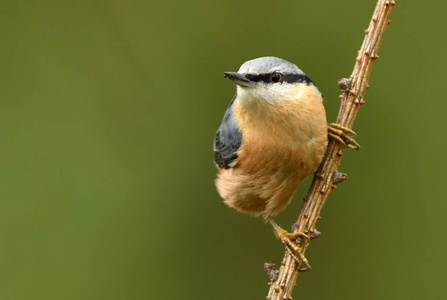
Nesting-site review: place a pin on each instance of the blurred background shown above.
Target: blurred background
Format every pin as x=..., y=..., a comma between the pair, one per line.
x=108, y=113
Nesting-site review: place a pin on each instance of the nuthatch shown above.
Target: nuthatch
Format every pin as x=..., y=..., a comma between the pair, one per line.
x=273, y=135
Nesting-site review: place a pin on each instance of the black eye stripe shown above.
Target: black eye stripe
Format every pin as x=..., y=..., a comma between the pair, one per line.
x=289, y=78
x=259, y=77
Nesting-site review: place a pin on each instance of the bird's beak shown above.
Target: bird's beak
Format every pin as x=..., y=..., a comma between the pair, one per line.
x=239, y=79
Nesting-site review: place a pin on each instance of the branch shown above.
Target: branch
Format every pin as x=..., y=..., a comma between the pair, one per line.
x=327, y=176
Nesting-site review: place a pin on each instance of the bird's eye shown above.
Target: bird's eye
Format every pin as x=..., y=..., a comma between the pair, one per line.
x=276, y=77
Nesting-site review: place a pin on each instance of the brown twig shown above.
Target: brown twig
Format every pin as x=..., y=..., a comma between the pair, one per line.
x=326, y=177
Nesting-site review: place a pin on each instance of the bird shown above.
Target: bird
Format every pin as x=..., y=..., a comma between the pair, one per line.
x=273, y=135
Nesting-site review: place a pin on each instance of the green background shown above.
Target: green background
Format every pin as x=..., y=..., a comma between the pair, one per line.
x=108, y=112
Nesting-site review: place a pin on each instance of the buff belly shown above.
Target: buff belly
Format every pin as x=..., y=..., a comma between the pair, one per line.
x=283, y=142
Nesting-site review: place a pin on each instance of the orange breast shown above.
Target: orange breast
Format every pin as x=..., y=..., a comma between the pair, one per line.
x=282, y=143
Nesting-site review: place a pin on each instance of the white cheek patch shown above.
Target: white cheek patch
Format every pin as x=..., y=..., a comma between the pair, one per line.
x=270, y=93
x=279, y=92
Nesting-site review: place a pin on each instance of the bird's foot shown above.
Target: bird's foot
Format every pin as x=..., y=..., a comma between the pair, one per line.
x=289, y=239
x=343, y=135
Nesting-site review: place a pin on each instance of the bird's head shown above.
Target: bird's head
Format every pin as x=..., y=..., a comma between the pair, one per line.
x=269, y=79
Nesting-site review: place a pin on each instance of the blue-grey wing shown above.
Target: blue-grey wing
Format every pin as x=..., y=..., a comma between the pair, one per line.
x=228, y=140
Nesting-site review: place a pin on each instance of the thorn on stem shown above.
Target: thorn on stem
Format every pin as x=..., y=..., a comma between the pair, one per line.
x=314, y=234
x=345, y=83
x=359, y=101
x=271, y=271
x=338, y=177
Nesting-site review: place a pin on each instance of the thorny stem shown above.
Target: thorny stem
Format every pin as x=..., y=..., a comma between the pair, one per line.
x=353, y=90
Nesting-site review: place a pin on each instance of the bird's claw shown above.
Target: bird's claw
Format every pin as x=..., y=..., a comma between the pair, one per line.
x=289, y=239
x=343, y=135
